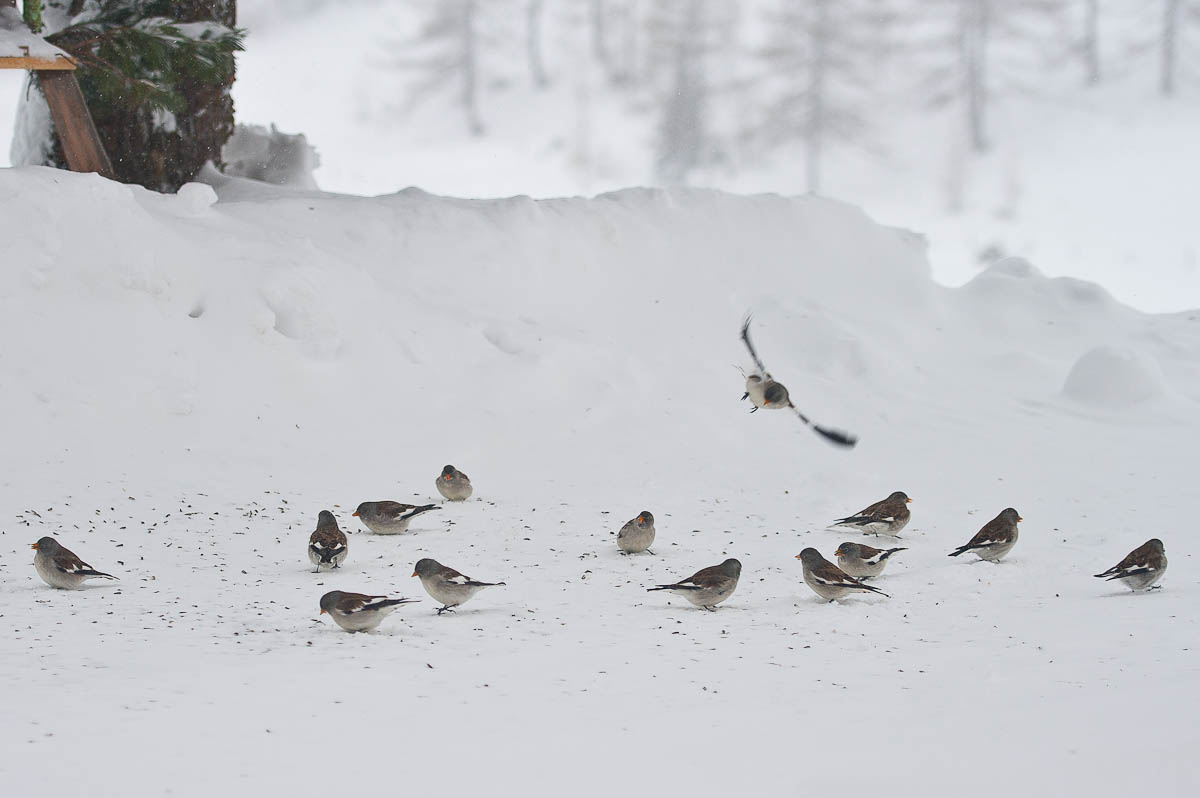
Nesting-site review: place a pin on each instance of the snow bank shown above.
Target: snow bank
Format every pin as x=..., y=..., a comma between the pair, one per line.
x=1116, y=377
x=191, y=381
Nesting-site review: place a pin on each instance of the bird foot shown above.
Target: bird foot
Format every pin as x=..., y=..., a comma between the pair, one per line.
x=447, y=608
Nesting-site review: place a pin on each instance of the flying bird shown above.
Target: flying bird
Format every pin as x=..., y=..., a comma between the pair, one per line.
x=764, y=391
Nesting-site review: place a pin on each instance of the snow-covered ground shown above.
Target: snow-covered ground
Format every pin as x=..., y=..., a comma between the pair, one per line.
x=188, y=383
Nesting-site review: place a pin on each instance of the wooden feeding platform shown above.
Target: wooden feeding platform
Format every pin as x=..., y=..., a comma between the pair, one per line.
x=20, y=48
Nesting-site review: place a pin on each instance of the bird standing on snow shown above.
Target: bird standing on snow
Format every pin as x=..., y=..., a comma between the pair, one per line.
x=886, y=517
x=995, y=539
x=389, y=518
x=327, y=546
x=637, y=535
x=763, y=391
x=1141, y=568
x=59, y=567
x=862, y=561
x=454, y=485
x=357, y=612
x=827, y=580
x=447, y=585
x=708, y=587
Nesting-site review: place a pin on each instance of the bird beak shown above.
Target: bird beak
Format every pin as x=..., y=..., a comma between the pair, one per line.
x=414, y=573
x=906, y=501
x=1019, y=518
x=837, y=553
x=355, y=514
x=322, y=612
x=641, y=520
x=33, y=546
x=797, y=556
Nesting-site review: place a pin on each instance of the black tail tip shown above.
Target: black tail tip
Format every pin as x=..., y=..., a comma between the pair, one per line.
x=837, y=436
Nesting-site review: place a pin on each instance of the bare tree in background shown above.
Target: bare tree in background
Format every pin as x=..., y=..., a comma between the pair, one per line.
x=681, y=33
x=533, y=43
x=448, y=47
x=979, y=31
x=1172, y=21
x=1090, y=44
x=817, y=56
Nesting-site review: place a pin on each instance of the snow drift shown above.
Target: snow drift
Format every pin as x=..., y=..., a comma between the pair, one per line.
x=192, y=377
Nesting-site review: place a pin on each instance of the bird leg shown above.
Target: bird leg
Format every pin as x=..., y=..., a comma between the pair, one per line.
x=447, y=608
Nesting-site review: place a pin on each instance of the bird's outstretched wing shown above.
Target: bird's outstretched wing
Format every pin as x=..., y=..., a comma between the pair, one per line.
x=746, y=340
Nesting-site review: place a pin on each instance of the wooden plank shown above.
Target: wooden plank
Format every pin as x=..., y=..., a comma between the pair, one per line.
x=80, y=141
x=39, y=64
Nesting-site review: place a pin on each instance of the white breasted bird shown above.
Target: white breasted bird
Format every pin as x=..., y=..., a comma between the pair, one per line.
x=862, y=561
x=327, y=546
x=637, y=535
x=389, y=518
x=447, y=585
x=1141, y=568
x=885, y=517
x=827, y=580
x=995, y=539
x=454, y=485
x=764, y=391
x=708, y=587
x=358, y=612
x=59, y=567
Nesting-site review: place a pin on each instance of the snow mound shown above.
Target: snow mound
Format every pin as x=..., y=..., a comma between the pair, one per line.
x=1114, y=377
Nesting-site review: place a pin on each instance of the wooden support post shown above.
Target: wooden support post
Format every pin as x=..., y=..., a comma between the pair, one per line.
x=80, y=141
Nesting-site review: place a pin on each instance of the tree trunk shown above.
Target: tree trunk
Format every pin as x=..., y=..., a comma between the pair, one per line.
x=600, y=33
x=470, y=66
x=815, y=123
x=533, y=43
x=973, y=41
x=1170, y=39
x=1091, y=41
